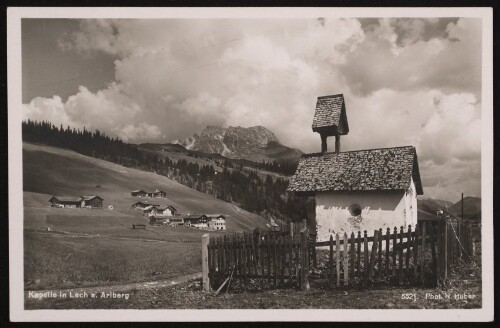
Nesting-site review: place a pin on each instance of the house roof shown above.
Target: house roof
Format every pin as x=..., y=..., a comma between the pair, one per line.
x=194, y=216
x=91, y=197
x=372, y=169
x=330, y=112
x=67, y=199
x=138, y=190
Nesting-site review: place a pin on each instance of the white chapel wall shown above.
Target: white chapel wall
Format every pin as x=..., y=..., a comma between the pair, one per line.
x=379, y=209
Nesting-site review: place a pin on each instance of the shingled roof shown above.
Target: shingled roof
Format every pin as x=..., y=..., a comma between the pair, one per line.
x=330, y=112
x=373, y=169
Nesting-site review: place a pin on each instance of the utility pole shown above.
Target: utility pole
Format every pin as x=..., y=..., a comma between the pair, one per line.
x=462, y=206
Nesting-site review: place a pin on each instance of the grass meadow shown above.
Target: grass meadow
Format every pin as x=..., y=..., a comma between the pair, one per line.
x=58, y=260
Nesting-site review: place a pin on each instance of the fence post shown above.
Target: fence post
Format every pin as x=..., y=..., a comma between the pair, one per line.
x=332, y=275
x=204, y=261
x=373, y=256
x=445, y=253
x=337, y=257
x=460, y=238
x=433, y=251
x=401, y=262
x=352, y=250
x=422, y=251
x=345, y=258
x=304, y=262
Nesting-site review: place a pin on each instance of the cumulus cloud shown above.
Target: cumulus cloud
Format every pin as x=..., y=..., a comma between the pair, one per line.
x=109, y=110
x=452, y=64
x=405, y=81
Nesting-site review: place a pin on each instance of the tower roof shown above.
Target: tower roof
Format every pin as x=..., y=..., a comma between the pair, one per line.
x=330, y=115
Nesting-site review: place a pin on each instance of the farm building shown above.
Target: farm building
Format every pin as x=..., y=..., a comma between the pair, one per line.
x=157, y=194
x=356, y=190
x=216, y=222
x=151, y=210
x=92, y=201
x=72, y=202
x=199, y=221
x=142, y=205
x=168, y=211
x=77, y=202
x=139, y=193
x=176, y=221
x=155, y=221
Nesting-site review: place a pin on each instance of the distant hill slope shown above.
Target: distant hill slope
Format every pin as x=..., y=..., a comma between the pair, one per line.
x=472, y=208
x=54, y=171
x=433, y=205
x=255, y=143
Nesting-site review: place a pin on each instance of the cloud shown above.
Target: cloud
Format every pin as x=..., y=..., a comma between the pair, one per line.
x=452, y=64
x=405, y=81
x=109, y=110
x=142, y=131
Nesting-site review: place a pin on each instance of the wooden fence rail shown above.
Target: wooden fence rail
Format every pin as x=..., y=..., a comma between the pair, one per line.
x=420, y=255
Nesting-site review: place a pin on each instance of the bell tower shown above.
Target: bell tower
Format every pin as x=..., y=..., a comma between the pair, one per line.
x=330, y=119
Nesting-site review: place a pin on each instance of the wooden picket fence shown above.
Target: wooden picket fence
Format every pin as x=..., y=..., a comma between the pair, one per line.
x=420, y=255
x=398, y=256
x=258, y=255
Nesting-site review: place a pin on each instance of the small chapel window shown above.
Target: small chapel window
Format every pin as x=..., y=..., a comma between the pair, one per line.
x=354, y=209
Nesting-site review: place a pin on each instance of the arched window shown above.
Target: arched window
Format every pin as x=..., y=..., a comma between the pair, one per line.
x=354, y=209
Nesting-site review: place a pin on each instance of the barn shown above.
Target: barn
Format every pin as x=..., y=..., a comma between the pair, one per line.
x=139, y=193
x=196, y=220
x=92, y=201
x=72, y=202
x=157, y=194
x=77, y=202
x=356, y=190
x=168, y=211
x=176, y=221
x=151, y=210
x=142, y=205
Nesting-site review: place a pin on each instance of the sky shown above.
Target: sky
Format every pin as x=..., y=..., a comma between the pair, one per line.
x=406, y=81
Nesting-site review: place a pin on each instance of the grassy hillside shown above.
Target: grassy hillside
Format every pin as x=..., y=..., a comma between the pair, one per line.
x=472, y=208
x=54, y=171
x=98, y=247
x=433, y=205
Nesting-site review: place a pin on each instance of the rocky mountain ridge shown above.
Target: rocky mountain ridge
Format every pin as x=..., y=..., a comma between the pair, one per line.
x=256, y=143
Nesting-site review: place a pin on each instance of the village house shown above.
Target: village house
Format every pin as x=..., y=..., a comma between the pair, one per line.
x=157, y=194
x=151, y=210
x=199, y=221
x=356, y=190
x=142, y=205
x=139, y=193
x=167, y=211
x=176, y=221
x=92, y=201
x=77, y=202
x=216, y=222
x=72, y=202
x=153, y=194
x=155, y=221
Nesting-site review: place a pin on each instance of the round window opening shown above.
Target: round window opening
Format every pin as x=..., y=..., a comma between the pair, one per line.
x=355, y=209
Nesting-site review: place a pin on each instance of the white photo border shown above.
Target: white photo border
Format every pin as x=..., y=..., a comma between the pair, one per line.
x=17, y=311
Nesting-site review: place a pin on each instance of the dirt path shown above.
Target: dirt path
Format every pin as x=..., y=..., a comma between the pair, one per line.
x=116, y=288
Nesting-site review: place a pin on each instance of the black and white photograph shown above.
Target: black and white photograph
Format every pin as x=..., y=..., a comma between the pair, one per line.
x=251, y=159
